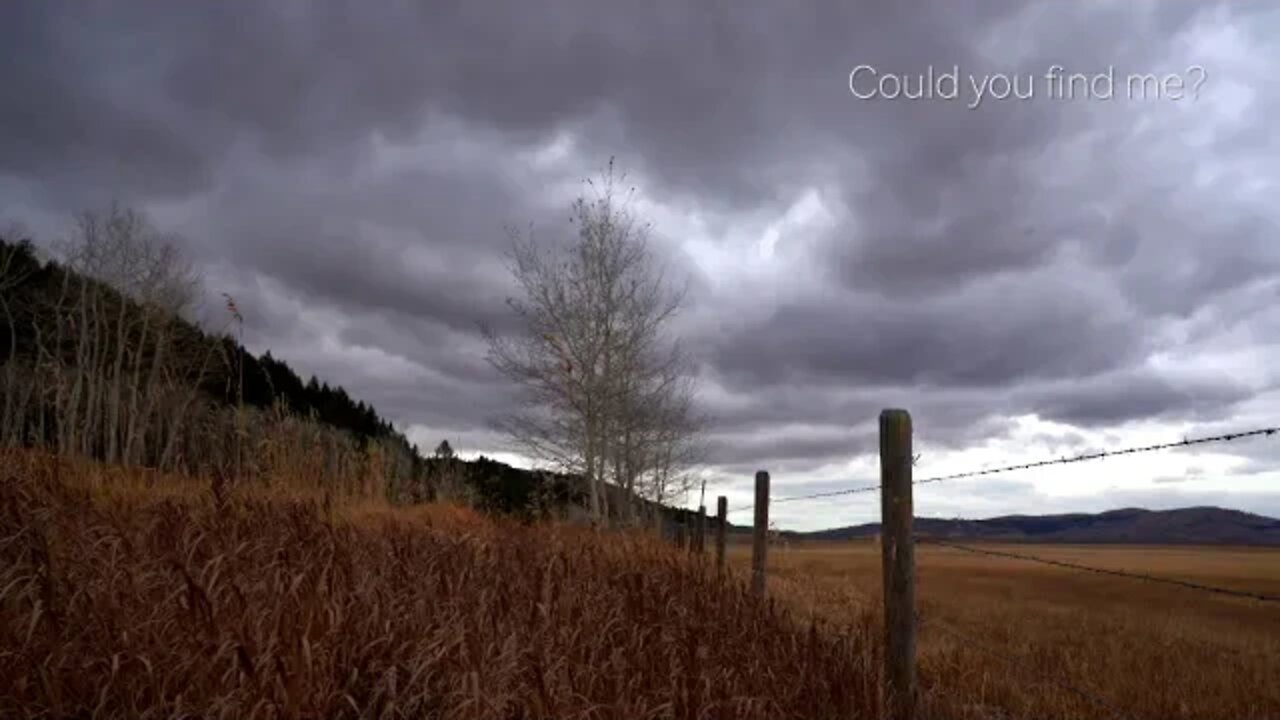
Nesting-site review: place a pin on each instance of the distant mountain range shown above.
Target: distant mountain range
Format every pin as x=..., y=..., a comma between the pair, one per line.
x=1193, y=525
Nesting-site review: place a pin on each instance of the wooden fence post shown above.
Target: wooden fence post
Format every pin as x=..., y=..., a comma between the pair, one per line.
x=680, y=533
x=700, y=529
x=898, y=561
x=692, y=547
x=722, y=520
x=760, y=544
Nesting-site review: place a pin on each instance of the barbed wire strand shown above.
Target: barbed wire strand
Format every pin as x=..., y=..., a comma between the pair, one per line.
x=971, y=642
x=1226, y=437
x=1104, y=571
x=814, y=496
x=1185, y=442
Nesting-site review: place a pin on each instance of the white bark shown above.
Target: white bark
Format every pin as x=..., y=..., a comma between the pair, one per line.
x=605, y=392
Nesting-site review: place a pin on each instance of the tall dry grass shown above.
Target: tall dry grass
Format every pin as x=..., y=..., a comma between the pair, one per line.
x=1002, y=638
x=229, y=604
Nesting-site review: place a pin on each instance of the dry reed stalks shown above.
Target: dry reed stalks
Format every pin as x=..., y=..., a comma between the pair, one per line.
x=234, y=605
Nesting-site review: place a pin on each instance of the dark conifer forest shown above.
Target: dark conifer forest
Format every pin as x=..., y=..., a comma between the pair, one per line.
x=114, y=372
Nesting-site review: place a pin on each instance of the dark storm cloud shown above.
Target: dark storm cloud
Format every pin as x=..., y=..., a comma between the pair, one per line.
x=1120, y=397
x=703, y=98
x=1059, y=329
x=456, y=355
x=366, y=274
x=424, y=242
x=70, y=125
x=351, y=169
x=797, y=449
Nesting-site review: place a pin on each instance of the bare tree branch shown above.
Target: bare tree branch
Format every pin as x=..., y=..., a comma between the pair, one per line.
x=604, y=391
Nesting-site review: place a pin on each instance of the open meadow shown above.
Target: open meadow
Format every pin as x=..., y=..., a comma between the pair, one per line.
x=126, y=594
x=1007, y=638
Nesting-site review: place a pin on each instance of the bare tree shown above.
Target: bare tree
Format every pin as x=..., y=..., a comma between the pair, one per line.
x=606, y=393
x=446, y=479
x=661, y=432
x=106, y=359
x=99, y=356
x=127, y=362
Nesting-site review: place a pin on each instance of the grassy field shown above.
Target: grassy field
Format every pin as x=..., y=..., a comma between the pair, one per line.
x=137, y=597
x=1001, y=637
x=130, y=595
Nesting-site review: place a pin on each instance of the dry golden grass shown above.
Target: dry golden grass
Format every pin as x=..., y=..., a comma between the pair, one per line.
x=170, y=602
x=124, y=594
x=1147, y=650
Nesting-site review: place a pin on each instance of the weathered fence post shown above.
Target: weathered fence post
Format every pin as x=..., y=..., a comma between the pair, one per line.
x=680, y=533
x=898, y=560
x=722, y=519
x=700, y=529
x=760, y=541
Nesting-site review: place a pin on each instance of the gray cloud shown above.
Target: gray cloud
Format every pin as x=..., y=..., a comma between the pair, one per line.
x=1136, y=395
x=1058, y=329
x=349, y=173
x=789, y=450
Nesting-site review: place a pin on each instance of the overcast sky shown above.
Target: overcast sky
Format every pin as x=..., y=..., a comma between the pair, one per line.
x=1089, y=267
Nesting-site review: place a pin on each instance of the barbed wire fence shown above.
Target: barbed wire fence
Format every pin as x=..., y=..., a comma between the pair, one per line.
x=1185, y=442
x=898, y=541
x=1102, y=571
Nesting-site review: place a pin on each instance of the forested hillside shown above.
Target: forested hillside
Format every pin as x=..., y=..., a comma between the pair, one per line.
x=99, y=358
